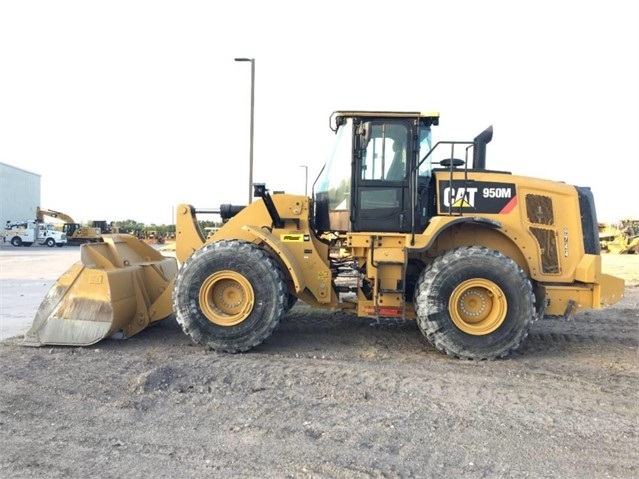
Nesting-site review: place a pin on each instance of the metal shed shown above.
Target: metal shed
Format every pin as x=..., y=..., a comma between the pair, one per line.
x=19, y=194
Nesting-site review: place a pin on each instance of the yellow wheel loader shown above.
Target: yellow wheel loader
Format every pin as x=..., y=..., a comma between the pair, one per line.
x=620, y=238
x=396, y=227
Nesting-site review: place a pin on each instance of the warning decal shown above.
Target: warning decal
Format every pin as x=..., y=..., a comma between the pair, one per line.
x=294, y=237
x=477, y=196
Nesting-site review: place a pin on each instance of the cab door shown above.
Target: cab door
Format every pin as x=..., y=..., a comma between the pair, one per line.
x=381, y=177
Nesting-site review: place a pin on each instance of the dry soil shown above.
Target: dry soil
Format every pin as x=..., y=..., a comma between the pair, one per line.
x=329, y=396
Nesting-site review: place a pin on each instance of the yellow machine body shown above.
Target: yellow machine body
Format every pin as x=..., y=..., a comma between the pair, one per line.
x=546, y=244
x=475, y=256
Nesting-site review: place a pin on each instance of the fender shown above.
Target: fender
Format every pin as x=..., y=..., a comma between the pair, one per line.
x=289, y=260
x=441, y=223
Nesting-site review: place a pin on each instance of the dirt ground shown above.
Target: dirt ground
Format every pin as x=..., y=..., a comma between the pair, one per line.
x=330, y=396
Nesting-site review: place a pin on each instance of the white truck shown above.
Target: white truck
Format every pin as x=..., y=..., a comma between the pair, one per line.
x=26, y=233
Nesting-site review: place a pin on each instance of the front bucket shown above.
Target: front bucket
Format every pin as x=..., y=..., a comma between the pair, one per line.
x=119, y=287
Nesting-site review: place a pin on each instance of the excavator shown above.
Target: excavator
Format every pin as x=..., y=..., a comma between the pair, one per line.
x=75, y=232
x=425, y=231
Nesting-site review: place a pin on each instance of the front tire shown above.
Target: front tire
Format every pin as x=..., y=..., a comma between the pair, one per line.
x=229, y=296
x=50, y=242
x=474, y=303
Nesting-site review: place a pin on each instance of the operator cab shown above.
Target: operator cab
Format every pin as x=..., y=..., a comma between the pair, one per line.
x=375, y=179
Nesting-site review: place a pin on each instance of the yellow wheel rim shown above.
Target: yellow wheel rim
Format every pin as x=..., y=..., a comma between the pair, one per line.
x=226, y=298
x=478, y=307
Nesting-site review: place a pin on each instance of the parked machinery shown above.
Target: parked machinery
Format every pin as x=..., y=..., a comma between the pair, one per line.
x=621, y=237
x=426, y=232
x=75, y=232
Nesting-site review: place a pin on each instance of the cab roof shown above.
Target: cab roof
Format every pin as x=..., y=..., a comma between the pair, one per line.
x=393, y=114
x=431, y=118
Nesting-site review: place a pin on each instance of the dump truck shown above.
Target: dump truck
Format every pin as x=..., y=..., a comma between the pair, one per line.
x=423, y=232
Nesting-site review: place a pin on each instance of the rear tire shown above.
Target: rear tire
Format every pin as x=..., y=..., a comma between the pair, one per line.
x=229, y=296
x=16, y=241
x=474, y=303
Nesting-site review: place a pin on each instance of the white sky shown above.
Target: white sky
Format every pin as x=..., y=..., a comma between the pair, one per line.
x=128, y=108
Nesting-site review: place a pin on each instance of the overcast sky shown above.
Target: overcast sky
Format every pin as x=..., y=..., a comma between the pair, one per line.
x=128, y=108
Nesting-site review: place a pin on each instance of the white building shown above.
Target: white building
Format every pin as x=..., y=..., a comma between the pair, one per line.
x=19, y=194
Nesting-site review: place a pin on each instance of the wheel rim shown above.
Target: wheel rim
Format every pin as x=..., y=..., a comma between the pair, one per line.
x=478, y=307
x=226, y=298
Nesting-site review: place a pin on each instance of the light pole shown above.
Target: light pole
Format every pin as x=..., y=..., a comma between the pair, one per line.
x=252, y=60
x=305, y=179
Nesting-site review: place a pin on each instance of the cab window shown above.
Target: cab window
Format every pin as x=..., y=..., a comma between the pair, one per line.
x=385, y=156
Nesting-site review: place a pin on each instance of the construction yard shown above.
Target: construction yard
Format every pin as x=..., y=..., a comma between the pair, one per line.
x=326, y=396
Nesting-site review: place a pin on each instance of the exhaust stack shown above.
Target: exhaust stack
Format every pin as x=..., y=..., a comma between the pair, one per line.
x=479, y=151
